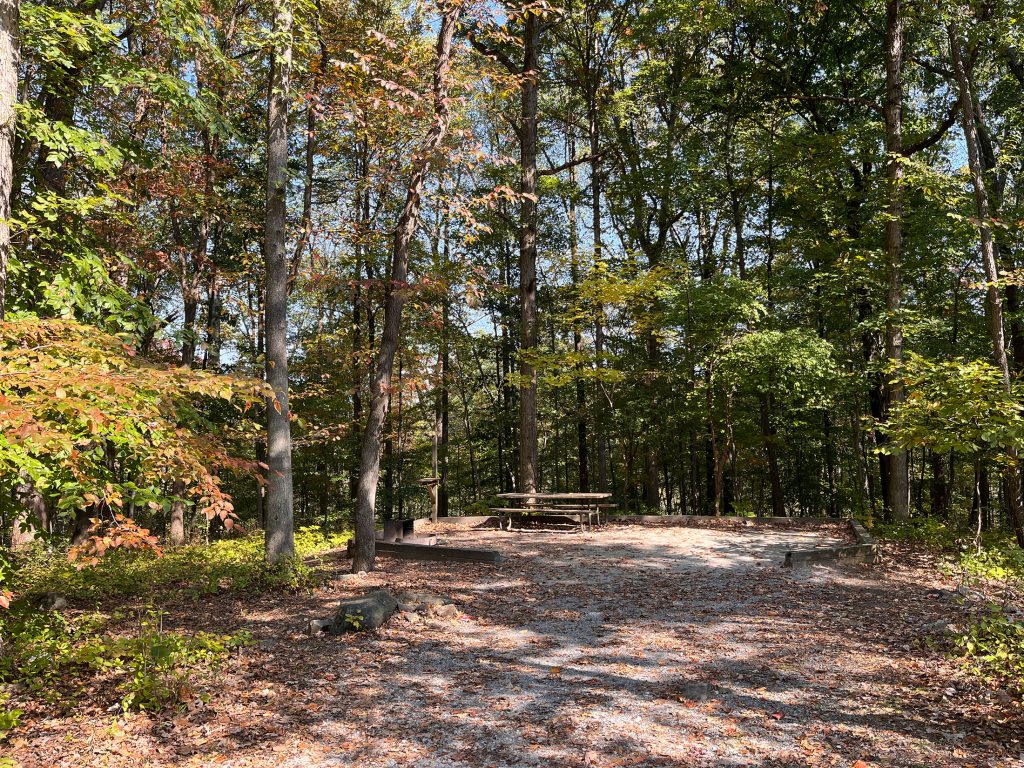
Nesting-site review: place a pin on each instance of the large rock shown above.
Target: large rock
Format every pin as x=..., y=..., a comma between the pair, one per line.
x=360, y=613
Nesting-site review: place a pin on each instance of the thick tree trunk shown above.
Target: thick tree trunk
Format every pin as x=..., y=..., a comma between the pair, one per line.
x=9, y=58
x=369, y=472
x=528, y=256
x=280, y=543
x=34, y=516
x=993, y=300
x=898, y=498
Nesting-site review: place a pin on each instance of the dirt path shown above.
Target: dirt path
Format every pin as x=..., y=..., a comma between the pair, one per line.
x=625, y=647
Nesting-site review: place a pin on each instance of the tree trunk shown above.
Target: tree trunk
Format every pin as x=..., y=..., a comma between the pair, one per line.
x=582, y=459
x=176, y=527
x=993, y=300
x=772, y=451
x=369, y=472
x=898, y=499
x=191, y=310
x=939, y=487
x=34, y=516
x=442, y=411
x=528, y=256
x=9, y=59
x=280, y=543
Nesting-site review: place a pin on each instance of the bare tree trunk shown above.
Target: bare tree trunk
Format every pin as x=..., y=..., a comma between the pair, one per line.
x=772, y=450
x=898, y=499
x=34, y=516
x=176, y=528
x=443, y=410
x=993, y=300
x=600, y=425
x=528, y=256
x=9, y=58
x=280, y=542
x=369, y=472
x=312, y=108
x=940, y=496
x=582, y=458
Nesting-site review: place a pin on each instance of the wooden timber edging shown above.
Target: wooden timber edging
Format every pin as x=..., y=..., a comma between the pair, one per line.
x=864, y=551
x=432, y=552
x=685, y=520
x=468, y=521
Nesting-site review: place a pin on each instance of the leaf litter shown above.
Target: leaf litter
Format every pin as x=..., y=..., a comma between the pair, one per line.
x=625, y=646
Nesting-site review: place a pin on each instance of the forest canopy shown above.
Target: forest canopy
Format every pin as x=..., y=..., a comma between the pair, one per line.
x=274, y=263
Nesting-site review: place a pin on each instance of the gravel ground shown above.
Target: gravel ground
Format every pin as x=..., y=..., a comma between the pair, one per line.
x=627, y=646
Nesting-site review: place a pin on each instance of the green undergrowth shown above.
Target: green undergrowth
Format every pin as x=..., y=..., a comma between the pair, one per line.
x=991, y=646
x=58, y=658
x=236, y=564
x=62, y=656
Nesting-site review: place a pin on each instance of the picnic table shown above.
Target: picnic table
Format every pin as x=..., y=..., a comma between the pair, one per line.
x=584, y=509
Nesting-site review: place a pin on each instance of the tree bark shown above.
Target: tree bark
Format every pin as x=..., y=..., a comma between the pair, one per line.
x=772, y=451
x=528, y=256
x=9, y=60
x=34, y=516
x=369, y=473
x=582, y=450
x=898, y=499
x=176, y=527
x=280, y=543
x=939, y=487
x=993, y=299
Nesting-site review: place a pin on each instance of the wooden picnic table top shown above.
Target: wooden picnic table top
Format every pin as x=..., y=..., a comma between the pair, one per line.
x=556, y=496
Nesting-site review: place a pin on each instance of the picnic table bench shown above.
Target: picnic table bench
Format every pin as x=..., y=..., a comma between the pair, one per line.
x=583, y=509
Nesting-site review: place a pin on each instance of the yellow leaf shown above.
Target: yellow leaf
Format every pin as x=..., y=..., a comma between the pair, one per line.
x=60, y=393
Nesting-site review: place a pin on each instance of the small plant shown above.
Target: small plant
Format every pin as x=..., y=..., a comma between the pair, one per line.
x=9, y=718
x=151, y=669
x=236, y=564
x=994, y=649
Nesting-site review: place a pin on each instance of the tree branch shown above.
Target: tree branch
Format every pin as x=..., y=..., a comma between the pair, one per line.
x=492, y=53
x=936, y=136
x=839, y=100
x=569, y=164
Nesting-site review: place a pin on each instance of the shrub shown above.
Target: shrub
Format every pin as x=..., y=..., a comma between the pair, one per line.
x=9, y=718
x=994, y=649
x=150, y=668
x=236, y=564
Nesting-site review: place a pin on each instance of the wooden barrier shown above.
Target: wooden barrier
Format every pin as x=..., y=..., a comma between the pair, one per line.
x=864, y=551
x=431, y=552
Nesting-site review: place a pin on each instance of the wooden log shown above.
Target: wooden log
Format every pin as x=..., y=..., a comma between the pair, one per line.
x=864, y=553
x=426, y=541
x=428, y=552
